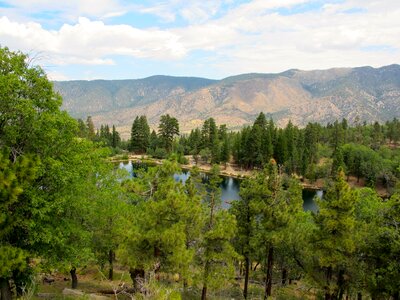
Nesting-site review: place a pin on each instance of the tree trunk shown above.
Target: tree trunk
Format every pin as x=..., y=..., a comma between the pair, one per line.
x=396, y=295
x=359, y=296
x=268, y=279
x=284, y=276
x=328, y=293
x=5, y=289
x=185, y=284
x=340, y=283
x=111, y=257
x=137, y=275
x=204, y=292
x=255, y=267
x=328, y=296
x=19, y=281
x=205, y=279
x=74, y=278
x=246, y=276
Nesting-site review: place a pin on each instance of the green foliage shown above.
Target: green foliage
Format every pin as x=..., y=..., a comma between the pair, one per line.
x=334, y=238
x=362, y=161
x=160, y=153
x=140, y=135
x=63, y=207
x=379, y=243
x=216, y=252
x=164, y=223
x=14, y=178
x=50, y=201
x=168, y=128
x=89, y=130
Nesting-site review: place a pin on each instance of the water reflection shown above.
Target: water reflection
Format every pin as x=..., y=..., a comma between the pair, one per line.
x=229, y=186
x=308, y=199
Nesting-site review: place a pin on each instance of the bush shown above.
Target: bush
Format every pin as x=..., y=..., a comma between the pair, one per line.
x=160, y=153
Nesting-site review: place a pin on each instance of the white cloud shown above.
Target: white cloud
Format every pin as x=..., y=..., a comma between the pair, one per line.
x=252, y=37
x=71, y=9
x=90, y=42
x=56, y=76
x=162, y=10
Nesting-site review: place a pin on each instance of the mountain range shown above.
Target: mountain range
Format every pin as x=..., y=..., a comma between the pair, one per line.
x=357, y=94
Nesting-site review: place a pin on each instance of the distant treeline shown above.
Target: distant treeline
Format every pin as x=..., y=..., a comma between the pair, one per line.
x=368, y=151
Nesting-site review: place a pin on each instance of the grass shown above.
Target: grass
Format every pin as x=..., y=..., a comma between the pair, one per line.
x=91, y=280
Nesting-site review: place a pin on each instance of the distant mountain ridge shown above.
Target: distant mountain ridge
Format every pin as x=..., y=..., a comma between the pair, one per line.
x=364, y=93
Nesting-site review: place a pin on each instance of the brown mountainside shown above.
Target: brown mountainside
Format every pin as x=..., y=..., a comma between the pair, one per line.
x=365, y=93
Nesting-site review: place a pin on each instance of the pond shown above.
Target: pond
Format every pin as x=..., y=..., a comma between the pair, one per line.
x=230, y=187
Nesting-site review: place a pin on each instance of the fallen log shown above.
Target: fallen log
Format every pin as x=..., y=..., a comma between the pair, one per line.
x=118, y=291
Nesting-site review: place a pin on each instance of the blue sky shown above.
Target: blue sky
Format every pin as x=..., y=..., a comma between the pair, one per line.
x=116, y=39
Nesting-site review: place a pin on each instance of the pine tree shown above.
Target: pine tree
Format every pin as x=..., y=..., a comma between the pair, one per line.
x=337, y=160
x=194, y=141
x=140, y=135
x=225, y=151
x=277, y=206
x=334, y=242
x=14, y=178
x=167, y=130
x=245, y=211
x=83, y=129
x=115, y=138
x=218, y=254
x=91, y=134
x=153, y=141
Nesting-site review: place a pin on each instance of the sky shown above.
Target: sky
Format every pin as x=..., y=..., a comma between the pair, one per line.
x=121, y=39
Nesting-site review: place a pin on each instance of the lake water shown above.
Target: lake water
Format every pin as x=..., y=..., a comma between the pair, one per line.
x=230, y=187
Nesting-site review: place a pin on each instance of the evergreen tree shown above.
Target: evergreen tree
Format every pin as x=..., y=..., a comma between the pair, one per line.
x=277, y=206
x=115, y=138
x=91, y=134
x=14, y=178
x=140, y=135
x=337, y=160
x=337, y=138
x=225, y=151
x=281, y=148
x=168, y=128
x=164, y=224
x=217, y=253
x=209, y=133
x=83, y=129
x=246, y=214
x=334, y=242
x=194, y=141
x=153, y=141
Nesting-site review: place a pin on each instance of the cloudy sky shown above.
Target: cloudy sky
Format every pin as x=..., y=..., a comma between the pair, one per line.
x=115, y=39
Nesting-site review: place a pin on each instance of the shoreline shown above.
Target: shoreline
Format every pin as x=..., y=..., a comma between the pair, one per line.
x=230, y=170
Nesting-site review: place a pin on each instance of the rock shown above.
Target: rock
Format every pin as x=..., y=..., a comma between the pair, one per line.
x=72, y=292
x=98, y=297
x=46, y=295
x=48, y=279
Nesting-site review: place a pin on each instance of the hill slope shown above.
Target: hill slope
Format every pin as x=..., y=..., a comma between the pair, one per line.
x=364, y=93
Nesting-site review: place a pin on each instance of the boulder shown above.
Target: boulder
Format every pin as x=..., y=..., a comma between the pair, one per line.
x=98, y=297
x=71, y=292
